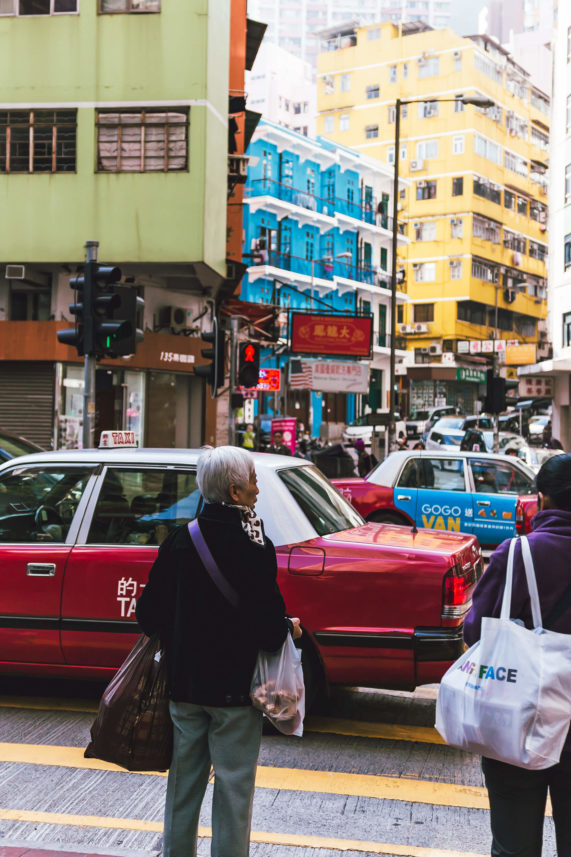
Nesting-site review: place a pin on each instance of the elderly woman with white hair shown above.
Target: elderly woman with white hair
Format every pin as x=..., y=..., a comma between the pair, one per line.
x=211, y=649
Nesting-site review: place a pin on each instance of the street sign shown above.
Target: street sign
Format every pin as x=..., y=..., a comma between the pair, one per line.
x=249, y=394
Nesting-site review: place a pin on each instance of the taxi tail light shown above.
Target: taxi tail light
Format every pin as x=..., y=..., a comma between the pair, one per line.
x=458, y=584
x=519, y=519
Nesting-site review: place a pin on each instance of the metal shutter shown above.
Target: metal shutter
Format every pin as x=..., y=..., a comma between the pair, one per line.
x=27, y=400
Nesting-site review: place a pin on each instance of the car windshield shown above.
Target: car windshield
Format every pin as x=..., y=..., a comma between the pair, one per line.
x=322, y=504
x=450, y=422
x=13, y=446
x=419, y=415
x=536, y=457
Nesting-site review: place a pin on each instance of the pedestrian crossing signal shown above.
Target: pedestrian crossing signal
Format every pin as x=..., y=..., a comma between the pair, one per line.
x=249, y=364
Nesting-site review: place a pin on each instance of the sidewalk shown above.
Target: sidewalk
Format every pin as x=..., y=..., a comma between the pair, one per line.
x=42, y=849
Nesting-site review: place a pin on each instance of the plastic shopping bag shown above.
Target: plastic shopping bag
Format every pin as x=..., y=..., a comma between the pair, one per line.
x=278, y=690
x=133, y=727
x=509, y=696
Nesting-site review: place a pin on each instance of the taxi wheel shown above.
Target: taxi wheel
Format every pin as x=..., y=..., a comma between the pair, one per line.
x=387, y=518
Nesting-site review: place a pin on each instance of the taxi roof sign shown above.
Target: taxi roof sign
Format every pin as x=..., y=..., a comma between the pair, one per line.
x=112, y=439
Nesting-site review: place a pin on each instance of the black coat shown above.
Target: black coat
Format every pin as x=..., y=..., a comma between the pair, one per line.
x=211, y=646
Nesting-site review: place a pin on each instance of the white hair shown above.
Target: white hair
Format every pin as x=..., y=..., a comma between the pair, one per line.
x=221, y=467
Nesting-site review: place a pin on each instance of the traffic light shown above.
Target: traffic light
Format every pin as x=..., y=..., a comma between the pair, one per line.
x=213, y=371
x=495, y=401
x=249, y=364
x=106, y=315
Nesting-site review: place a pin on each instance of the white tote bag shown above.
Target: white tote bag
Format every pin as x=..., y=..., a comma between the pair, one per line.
x=509, y=696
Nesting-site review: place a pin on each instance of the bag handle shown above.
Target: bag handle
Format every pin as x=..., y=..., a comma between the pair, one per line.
x=507, y=599
x=226, y=589
x=531, y=582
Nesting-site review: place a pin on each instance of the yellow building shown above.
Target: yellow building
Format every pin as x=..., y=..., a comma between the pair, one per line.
x=476, y=206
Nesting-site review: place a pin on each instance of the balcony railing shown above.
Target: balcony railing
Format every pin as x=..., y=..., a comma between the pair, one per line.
x=324, y=269
x=365, y=211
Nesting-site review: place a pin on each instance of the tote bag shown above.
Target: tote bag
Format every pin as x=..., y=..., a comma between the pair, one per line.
x=509, y=696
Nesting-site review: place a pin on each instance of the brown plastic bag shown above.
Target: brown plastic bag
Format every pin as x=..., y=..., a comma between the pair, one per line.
x=133, y=727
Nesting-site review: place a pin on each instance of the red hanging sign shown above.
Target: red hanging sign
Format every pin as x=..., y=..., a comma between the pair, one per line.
x=346, y=335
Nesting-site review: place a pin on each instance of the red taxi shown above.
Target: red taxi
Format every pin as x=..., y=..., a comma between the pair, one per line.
x=380, y=605
x=525, y=509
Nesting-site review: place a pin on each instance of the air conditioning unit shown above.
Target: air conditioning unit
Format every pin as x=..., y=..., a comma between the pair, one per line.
x=15, y=272
x=420, y=328
x=424, y=350
x=405, y=328
x=455, y=221
x=416, y=224
x=542, y=217
x=454, y=262
x=421, y=183
x=435, y=348
x=173, y=317
x=416, y=165
x=457, y=55
x=496, y=276
x=415, y=266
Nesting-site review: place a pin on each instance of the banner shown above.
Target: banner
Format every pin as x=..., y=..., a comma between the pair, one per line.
x=520, y=354
x=328, y=376
x=346, y=335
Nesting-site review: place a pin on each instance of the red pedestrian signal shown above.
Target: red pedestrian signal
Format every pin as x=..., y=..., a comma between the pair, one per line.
x=248, y=364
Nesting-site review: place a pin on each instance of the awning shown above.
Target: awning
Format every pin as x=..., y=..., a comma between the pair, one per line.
x=250, y=125
x=254, y=34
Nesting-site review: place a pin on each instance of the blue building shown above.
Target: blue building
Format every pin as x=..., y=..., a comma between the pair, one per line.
x=317, y=237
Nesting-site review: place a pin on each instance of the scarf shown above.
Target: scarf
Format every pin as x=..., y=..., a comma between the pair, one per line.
x=251, y=523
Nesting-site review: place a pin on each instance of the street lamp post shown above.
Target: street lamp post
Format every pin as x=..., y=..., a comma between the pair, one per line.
x=477, y=101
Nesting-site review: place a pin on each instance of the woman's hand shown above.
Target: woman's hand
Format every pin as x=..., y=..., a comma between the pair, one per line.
x=297, y=632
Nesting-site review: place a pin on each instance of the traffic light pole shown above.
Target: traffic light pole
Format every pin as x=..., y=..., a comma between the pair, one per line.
x=89, y=359
x=232, y=386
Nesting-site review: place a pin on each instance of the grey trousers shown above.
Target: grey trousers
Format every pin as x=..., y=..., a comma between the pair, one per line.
x=229, y=739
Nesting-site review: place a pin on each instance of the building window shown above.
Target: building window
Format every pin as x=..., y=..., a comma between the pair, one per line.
x=38, y=141
x=522, y=206
x=393, y=112
x=537, y=251
x=483, y=271
x=458, y=186
x=568, y=183
x=405, y=70
x=142, y=141
x=424, y=272
x=384, y=259
x=116, y=6
x=373, y=33
x=329, y=125
x=427, y=109
x=426, y=190
x=513, y=241
x=487, y=229
x=329, y=84
x=425, y=231
x=516, y=164
x=392, y=74
x=343, y=121
x=38, y=7
x=427, y=149
x=455, y=269
x=567, y=262
x=390, y=154
x=345, y=82
x=371, y=131
x=471, y=311
x=509, y=200
x=373, y=92
x=457, y=61
x=423, y=312
x=566, y=329
x=456, y=227
x=459, y=105
x=428, y=66
x=458, y=145
x=488, y=190
x=488, y=149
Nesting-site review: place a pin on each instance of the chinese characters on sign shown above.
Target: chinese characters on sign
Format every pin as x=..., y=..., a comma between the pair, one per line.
x=329, y=376
x=478, y=376
x=345, y=335
x=172, y=357
x=268, y=382
x=536, y=387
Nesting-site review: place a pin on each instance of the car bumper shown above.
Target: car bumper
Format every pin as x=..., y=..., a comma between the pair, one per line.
x=438, y=644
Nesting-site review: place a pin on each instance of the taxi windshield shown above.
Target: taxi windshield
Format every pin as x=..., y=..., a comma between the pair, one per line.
x=322, y=504
x=419, y=415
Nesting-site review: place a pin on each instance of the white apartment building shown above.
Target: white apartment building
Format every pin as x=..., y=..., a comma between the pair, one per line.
x=559, y=282
x=281, y=88
x=294, y=24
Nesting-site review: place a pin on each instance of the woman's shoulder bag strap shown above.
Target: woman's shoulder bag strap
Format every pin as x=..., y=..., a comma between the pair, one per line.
x=211, y=566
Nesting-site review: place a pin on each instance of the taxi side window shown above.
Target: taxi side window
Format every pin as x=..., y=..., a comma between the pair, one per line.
x=140, y=506
x=443, y=474
x=37, y=504
x=409, y=475
x=499, y=478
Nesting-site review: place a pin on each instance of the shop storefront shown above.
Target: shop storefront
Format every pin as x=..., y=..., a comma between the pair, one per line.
x=461, y=387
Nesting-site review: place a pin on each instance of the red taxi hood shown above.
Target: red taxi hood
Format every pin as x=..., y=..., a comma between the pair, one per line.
x=402, y=539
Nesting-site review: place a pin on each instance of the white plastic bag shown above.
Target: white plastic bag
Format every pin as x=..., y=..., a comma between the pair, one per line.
x=278, y=690
x=509, y=696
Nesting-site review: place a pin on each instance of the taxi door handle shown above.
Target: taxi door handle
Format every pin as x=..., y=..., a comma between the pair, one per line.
x=403, y=497
x=41, y=569
x=483, y=502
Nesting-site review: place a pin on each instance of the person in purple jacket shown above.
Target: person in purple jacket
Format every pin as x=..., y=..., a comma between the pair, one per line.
x=518, y=796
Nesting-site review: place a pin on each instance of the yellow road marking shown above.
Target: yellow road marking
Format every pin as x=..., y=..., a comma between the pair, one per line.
x=390, y=731
x=291, y=839
x=290, y=779
x=325, y=725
